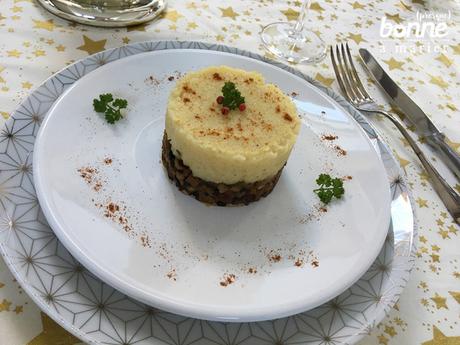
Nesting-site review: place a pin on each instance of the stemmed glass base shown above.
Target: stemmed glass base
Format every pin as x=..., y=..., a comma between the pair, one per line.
x=283, y=41
x=106, y=13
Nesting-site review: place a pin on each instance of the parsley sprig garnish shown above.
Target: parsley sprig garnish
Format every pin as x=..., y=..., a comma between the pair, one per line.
x=232, y=97
x=328, y=188
x=110, y=107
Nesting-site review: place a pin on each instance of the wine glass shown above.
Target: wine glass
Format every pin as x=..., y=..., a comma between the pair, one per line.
x=294, y=42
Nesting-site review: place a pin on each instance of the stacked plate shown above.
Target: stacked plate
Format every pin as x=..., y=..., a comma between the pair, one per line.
x=164, y=268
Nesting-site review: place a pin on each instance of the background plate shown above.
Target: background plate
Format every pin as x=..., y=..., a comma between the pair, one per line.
x=96, y=312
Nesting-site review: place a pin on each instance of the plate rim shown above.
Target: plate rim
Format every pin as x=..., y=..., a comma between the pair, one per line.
x=168, y=44
x=189, y=308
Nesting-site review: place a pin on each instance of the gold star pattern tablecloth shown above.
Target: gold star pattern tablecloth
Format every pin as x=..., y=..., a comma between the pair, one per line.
x=35, y=44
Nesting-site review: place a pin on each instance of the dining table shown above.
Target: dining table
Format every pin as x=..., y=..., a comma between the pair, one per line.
x=35, y=44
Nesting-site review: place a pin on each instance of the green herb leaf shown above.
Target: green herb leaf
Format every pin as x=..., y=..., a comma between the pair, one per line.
x=232, y=97
x=106, y=98
x=120, y=103
x=111, y=108
x=112, y=115
x=328, y=188
x=99, y=105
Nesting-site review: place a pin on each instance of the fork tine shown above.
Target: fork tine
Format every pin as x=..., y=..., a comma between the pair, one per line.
x=355, y=75
x=351, y=78
x=345, y=77
x=338, y=75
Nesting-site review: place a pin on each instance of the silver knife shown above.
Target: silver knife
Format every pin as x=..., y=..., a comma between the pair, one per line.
x=414, y=114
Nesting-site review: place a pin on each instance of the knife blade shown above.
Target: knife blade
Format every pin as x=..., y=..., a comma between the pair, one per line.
x=413, y=112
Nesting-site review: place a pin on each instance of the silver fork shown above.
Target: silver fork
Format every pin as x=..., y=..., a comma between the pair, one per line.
x=356, y=94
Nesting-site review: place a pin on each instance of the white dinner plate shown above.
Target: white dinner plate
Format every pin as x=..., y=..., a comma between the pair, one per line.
x=175, y=252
